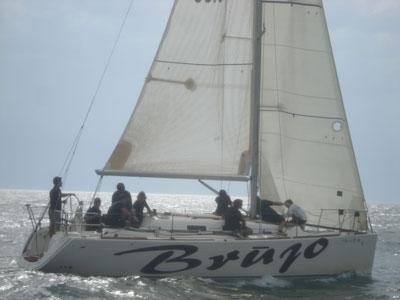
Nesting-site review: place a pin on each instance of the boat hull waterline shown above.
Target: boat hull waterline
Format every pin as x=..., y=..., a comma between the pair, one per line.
x=93, y=255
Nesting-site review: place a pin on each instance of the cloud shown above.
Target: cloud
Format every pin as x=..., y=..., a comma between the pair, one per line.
x=375, y=7
x=13, y=8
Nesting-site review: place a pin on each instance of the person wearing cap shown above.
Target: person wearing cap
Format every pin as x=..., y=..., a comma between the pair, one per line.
x=139, y=206
x=55, y=205
x=223, y=202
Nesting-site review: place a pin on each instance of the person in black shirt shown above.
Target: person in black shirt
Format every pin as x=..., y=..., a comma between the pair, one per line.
x=122, y=195
x=55, y=205
x=267, y=213
x=234, y=220
x=119, y=215
x=139, y=206
x=93, y=216
x=115, y=215
x=223, y=202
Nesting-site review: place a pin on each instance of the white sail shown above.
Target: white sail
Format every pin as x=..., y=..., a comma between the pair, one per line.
x=305, y=141
x=192, y=117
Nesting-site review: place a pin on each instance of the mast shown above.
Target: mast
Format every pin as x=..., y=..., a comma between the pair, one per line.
x=255, y=106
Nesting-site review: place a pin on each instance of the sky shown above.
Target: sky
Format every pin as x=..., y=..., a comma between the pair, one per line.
x=52, y=54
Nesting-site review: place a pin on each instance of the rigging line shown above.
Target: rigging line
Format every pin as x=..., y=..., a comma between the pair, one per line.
x=68, y=155
x=248, y=193
x=71, y=153
x=98, y=186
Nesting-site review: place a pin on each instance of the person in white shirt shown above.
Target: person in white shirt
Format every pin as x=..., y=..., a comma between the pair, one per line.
x=296, y=213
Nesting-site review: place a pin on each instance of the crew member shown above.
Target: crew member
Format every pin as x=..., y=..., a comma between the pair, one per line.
x=223, y=202
x=234, y=220
x=93, y=216
x=139, y=206
x=122, y=195
x=55, y=205
x=267, y=213
x=296, y=213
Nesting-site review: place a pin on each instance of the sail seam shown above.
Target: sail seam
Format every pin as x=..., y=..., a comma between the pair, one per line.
x=304, y=140
x=302, y=115
x=291, y=3
x=297, y=48
x=301, y=95
x=202, y=64
x=319, y=185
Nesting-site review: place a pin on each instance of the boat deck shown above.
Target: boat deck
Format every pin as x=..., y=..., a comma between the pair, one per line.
x=203, y=227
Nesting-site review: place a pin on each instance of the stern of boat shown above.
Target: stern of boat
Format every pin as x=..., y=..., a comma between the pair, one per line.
x=39, y=242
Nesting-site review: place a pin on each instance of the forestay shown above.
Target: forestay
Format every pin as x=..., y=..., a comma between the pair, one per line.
x=192, y=117
x=306, y=150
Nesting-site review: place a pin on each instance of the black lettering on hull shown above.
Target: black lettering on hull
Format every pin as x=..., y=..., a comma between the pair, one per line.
x=250, y=259
x=151, y=267
x=172, y=260
x=293, y=254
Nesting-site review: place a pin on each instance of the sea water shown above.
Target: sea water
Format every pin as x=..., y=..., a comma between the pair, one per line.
x=17, y=283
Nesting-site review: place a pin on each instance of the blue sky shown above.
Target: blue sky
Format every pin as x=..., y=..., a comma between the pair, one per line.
x=52, y=54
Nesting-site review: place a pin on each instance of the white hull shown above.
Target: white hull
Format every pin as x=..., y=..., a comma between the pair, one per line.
x=124, y=252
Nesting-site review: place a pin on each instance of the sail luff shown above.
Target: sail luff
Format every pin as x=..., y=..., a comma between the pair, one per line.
x=255, y=106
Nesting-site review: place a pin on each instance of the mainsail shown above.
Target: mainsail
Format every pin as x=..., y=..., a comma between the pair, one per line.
x=192, y=119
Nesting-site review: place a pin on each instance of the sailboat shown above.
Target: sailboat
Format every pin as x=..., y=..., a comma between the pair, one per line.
x=244, y=91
